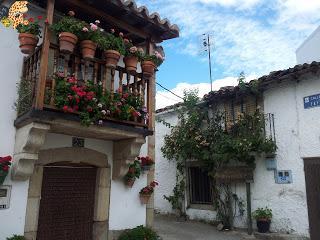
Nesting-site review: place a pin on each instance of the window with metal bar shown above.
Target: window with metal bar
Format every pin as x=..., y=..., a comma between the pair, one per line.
x=200, y=191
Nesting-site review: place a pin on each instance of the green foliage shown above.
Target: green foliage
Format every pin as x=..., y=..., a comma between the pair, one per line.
x=33, y=27
x=16, y=237
x=92, y=104
x=134, y=171
x=110, y=41
x=139, y=233
x=25, y=96
x=68, y=24
x=205, y=138
x=176, y=200
x=262, y=213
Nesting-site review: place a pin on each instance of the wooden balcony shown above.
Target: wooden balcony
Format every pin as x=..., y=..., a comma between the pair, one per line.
x=112, y=80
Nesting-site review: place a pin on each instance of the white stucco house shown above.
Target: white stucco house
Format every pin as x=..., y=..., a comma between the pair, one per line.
x=309, y=50
x=292, y=97
x=61, y=168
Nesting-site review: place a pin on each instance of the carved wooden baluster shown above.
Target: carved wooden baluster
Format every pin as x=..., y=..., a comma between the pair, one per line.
x=135, y=85
x=76, y=69
x=113, y=72
x=104, y=78
x=85, y=70
x=95, y=72
x=53, y=86
x=120, y=80
x=66, y=64
x=128, y=82
x=30, y=71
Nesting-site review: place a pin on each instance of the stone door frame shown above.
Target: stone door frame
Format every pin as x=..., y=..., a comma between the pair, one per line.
x=73, y=156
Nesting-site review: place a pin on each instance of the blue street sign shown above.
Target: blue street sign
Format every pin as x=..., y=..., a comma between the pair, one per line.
x=312, y=101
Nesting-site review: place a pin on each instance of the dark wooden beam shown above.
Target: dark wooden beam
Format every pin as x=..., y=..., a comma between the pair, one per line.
x=41, y=84
x=112, y=20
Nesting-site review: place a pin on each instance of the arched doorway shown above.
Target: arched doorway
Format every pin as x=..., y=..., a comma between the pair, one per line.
x=68, y=195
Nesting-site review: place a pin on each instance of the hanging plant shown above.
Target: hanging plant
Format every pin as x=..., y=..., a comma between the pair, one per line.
x=146, y=163
x=5, y=163
x=133, y=173
x=146, y=192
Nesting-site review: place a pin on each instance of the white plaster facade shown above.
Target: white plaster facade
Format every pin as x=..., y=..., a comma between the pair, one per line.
x=125, y=212
x=297, y=136
x=309, y=50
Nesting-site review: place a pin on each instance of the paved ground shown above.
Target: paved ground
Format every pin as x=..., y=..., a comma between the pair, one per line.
x=170, y=229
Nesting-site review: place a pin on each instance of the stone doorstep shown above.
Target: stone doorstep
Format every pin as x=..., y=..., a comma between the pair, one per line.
x=278, y=236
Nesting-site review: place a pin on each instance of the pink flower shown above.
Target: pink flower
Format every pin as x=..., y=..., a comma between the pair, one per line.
x=126, y=40
x=121, y=34
x=112, y=30
x=84, y=29
x=71, y=13
x=93, y=27
x=133, y=49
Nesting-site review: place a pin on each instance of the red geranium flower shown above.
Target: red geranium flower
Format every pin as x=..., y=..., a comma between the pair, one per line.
x=31, y=20
x=40, y=17
x=65, y=108
x=5, y=168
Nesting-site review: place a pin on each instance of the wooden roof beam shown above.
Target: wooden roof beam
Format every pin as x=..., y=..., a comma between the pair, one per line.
x=112, y=20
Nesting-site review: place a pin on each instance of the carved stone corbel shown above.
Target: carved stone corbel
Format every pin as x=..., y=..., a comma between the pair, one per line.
x=29, y=140
x=124, y=153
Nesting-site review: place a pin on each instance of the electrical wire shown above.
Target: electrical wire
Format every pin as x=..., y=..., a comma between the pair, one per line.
x=169, y=90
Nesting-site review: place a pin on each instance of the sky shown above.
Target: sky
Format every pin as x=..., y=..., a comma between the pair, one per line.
x=253, y=36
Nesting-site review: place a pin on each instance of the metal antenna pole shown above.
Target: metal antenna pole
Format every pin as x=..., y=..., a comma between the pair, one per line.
x=209, y=49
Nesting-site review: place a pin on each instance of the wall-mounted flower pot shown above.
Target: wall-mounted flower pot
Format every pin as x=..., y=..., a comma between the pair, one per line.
x=3, y=176
x=112, y=58
x=88, y=49
x=263, y=225
x=144, y=198
x=130, y=182
x=28, y=43
x=146, y=168
x=131, y=63
x=67, y=42
x=148, y=68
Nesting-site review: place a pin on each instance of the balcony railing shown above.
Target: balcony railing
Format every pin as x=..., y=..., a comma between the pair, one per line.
x=84, y=70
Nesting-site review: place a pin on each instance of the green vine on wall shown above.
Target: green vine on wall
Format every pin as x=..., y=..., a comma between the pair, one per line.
x=199, y=136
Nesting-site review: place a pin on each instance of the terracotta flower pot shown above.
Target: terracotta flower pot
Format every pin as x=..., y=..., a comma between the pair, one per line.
x=88, y=49
x=148, y=68
x=144, y=198
x=28, y=42
x=112, y=58
x=131, y=64
x=130, y=182
x=67, y=42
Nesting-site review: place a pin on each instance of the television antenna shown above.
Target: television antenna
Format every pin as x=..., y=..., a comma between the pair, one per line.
x=207, y=44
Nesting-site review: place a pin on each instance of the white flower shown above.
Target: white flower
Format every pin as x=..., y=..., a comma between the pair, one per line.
x=100, y=105
x=104, y=112
x=100, y=83
x=97, y=22
x=84, y=29
x=100, y=122
x=94, y=99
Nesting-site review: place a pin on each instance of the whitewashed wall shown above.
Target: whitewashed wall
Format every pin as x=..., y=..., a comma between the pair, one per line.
x=12, y=219
x=309, y=50
x=298, y=136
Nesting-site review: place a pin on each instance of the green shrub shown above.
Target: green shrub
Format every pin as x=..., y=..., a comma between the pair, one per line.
x=16, y=237
x=139, y=233
x=262, y=213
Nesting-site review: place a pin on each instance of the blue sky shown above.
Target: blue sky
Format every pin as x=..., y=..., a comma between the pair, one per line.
x=254, y=36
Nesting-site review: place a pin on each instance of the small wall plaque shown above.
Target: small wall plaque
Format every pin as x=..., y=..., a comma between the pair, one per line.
x=5, y=194
x=312, y=101
x=283, y=176
x=77, y=142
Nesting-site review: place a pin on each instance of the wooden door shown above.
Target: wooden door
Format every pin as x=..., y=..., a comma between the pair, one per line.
x=312, y=174
x=67, y=203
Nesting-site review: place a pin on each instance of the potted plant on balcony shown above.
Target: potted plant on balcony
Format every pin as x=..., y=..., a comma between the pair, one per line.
x=146, y=163
x=146, y=192
x=90, y=35
x=150, y=62
x=132, y=56
x=113, y=47
x=29, y=34
x=5, y=163
x=133, y=173
x=68, y=30
x=263, y=217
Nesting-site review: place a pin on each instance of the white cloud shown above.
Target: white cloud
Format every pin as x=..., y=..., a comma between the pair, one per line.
x=164, y=98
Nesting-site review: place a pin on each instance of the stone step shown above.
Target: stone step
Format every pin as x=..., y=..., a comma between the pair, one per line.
x=277, y=236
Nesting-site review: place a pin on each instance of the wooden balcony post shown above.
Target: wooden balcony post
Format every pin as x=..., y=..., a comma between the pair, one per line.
x=41, y=84
x=151, y=99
